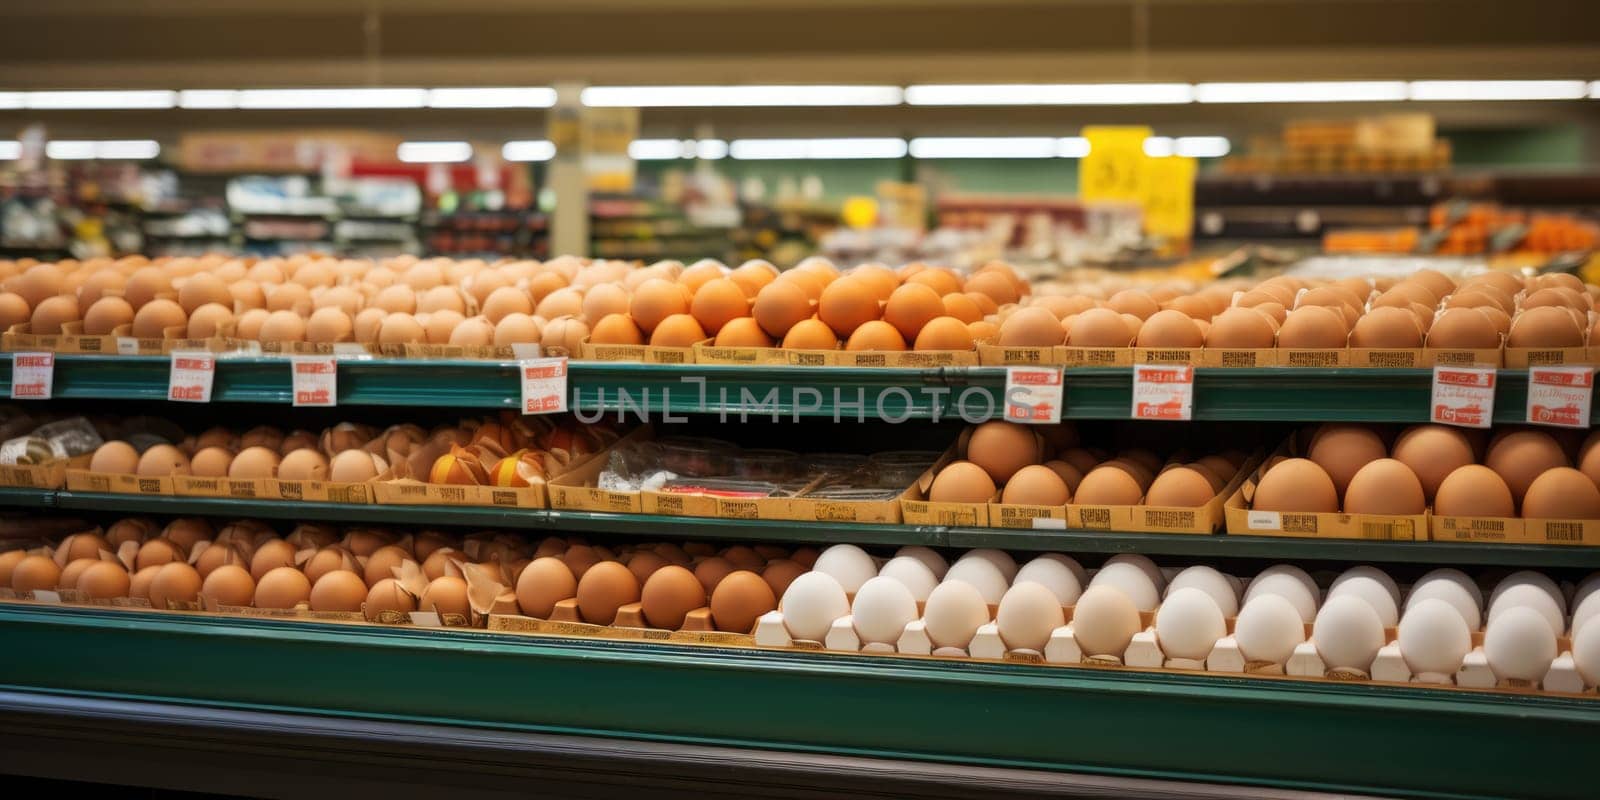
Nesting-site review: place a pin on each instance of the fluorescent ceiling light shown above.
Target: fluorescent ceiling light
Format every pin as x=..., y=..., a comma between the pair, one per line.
x=1072, y=147
x=1045, y=94
x=332, y=98
x=1498, y=90
x=1202, y=146
x=1594, y=90
x=10, y=149
x=711, y=149
x=208, y=98
x=433, y=152
x=99, y=100
x=709, y=96
x=660, y=149
x=119, y=149
x=11, y=99
x=1158, y=146
x=1301, y=92
x=528, y=150
x=781, y=149
x=985, y=147
x=502, y=97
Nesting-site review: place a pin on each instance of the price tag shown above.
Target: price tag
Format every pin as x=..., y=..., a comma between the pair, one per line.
x=1116, y=168
x=1163, y=392
x=1559, y=396
x=1463, y=396
x=1169, y=197
x=46, y=596
x=426, y=619
x=544, y=385
x=1034, y=395
x=316, y=380
x=1264, y=521
x=127, y=346
x=192, y=376
x=33, y=376
x=522, y=351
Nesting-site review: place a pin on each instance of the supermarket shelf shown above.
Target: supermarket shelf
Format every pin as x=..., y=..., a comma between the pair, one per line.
x=1238, y=395
x=668, y=527
x=1172, y=726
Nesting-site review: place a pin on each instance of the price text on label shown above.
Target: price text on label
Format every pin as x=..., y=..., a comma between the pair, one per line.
x=1163, y=392
x=1034, y=395
x=191, y=377
x=33, y=376
x=1561, y=396
x=1463, y=396
x=316, y=380
x=544, y=385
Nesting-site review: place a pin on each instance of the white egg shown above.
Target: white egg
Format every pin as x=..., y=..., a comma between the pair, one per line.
x=1519, y=644
x=1372, y=592
x=1347, y=633
x=999, y=558
x=1370, y=573
x=1301, y=576
x=980, y=574
x=1287, y=586
x=1070, y=563
x=1453, y=587
x=1531, y=596
x=1144, y=564
x=882, y=610
x=1131, y=581
x=1104, y=621
x=1433, y=637
x=848, y=564
x=1211, y=582
x=1053, y=575
x=1583, y=611
x=1188, y=624
x=911, y=573
x=1526, y=577
x=1268, y=628
x=927, y=555
x=953, y=613
x=1028, y=614
x=1586, y=654
x=811, y=604
x=1236, y=582
x=1586, y=587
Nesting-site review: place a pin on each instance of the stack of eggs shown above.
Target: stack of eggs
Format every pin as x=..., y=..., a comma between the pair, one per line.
x=1354, y=469
x=1034, y=465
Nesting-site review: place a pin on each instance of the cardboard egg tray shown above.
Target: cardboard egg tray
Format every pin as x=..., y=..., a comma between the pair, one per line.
x=1515, y=530
x=48, y=475
x=707, y=353
x=1206, y=519
x=1243, y=520
x=630, y=624
x=1419, y=358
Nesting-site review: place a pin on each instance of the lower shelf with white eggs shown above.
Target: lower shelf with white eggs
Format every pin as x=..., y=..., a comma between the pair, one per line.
x=772, y=704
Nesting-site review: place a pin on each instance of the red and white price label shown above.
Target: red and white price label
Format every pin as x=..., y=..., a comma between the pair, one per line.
x=1463, y=396
x=192, y=376
x=1559, y=396
x=544, y=385
x=316, y=380
x=1163, y=392
x=1034, y=395
x=33, y=376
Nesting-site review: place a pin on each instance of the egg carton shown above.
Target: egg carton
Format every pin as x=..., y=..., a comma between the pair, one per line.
x=647, y=354
x=120, y=341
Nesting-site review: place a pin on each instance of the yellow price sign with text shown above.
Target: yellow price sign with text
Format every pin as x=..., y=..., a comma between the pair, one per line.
x=1116, y=167
x=1169, y=197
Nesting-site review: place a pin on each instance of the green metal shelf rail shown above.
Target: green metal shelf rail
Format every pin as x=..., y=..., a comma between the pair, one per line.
x=1263, y=732
x=669, y=527
x=1238, y=395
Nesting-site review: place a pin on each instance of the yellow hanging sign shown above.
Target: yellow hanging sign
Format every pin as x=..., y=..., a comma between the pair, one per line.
x=1115, y=170
x=1169, y=197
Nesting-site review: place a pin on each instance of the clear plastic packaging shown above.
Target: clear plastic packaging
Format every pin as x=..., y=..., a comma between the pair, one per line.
x=764, y=465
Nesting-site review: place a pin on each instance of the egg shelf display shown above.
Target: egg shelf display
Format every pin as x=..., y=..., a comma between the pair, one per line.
x=1426, y=481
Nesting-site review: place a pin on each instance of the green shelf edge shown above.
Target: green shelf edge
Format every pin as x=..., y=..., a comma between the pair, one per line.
x=1238, y=395
x=1277, y=733
x=670, y=527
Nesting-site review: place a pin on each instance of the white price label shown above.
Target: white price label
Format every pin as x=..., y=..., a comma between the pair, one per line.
x=127, y=346
x=1163, y=392
x=1264, y=521
x=46, y=596
x=544, y=385
x=316, y=380
x=33, y=376
x=426, y=619
x=1034, y=395
x=192, y=376
x=1463, y=396
x=1559, y=396
x=523, y=351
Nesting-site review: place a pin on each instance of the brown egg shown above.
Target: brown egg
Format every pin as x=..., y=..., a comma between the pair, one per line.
x=283, y=326
x=1241, y=329
x=282, y=587
x=1545, y=326
x=105, y=315
x=33, y=573
x=1134, y=301
x=1170, y=329
x=161, y=460
x=1433, y=452
x=544, y=284
x=8, y=562
x=1521, y=456
x=1385, y=486
x=847, y=304
x=1387, y=327
x=397, y=299
x=143, y=286
x=875, y=335
x=780, y=305
x=701, y=272
x=1003, y=448
x=669, y=594
x=678, y=330
x=270, y=555
x=962, y=482
x=174, y=583
x=617, y=329
x=753, y=275
x=1069, y=474
x=254, y=462
x=810, y=334
x=1464, y=328
x=338, y=591
x=1099, y=327
x=542, y=584
x=103, y=580
x=1588, y=461
x=387, y=595
x=563, y=336
x=198, y=290
x=437, y=326
x=1296, y=485
x=220, y=554
x=437, y=562
x=560, y=303
x=117, y=457
x=505, y=301
x=742, y=332
x=155, y=552
x=71, y=572
x=1561, y=298
x=1504, y=281
x=983, y=331
x=994, y=285
x=14, y=311
x=516, y=329
x=961, y=307
x=711, y=571
x=1312, y=327
x=401, y=328
x=717, y=302
x=248, y=325
x=644, y=563
x=441, y=298
x=353, y=466
x=53, y=312
x=290, y=297
x=942, y=281
x=1182, y=487
x=139, y=583
x=211, y=462
x=1562, y=493
x=739, y=599
x=944, y=333
x=1341, y=450
x=84, y=545
x=1031, y=327
x=1036, y=485
x=326, y=325
x=1109, y=485
x=208, y=320
x=603, y=589
x=911, y=307
x=303, y=464
x=186, y=532
x=330, y=559
x=985, y=303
